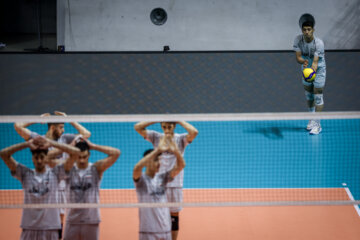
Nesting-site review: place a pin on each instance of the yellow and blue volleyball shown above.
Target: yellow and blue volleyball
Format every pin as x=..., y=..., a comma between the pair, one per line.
x=309, y=74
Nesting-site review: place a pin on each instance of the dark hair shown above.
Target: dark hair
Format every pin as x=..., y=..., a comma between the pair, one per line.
x=174, y=123
x=52, y=123
x=83, y=146
x=308, y=24
x=39, y=151
x=148, y=152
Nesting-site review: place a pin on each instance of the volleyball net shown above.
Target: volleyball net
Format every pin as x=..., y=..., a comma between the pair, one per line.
x=266, y=159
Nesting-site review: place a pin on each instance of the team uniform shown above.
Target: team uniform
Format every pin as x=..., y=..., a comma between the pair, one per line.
x=64, y=139
x=308, y=51
x=167, y=162
x=155, y=223
x=40, y=188
x=83, y=186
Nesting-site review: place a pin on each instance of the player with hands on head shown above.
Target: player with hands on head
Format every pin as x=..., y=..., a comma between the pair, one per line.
x=155, y=223
x=55, y=132
x=39, y=185
x=83, y=186
x=310, y=53
x=167, y=159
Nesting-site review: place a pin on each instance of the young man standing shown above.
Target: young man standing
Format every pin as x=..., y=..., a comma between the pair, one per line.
x=310, y=53
x=155, y=223
x=83, y=186
x=40, y=186
x=167, y=160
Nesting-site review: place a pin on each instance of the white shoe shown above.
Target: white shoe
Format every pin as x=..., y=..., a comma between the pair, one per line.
x=316, y=129
x=311, y=125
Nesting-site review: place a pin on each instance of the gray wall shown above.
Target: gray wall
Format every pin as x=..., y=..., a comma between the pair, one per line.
x=124, y=25
x=131, y=83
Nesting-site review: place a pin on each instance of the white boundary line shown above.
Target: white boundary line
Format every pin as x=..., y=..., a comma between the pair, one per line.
x=356, y=206
x=180, y=117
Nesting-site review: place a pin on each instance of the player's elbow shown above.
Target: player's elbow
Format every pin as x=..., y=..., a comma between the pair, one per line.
x=87, y=134
x=116, y=153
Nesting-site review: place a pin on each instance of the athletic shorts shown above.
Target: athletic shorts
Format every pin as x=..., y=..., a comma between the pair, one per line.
x=320, y=78
x=81, y=231
x=28, y=234
x=155, y=236
x=61, y=197
x=174, y=194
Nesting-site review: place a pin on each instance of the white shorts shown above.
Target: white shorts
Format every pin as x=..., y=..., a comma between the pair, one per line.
x=174, y=194
x=320, y=78
x=81, y=231
x=61, y=197
x=28, y=234
x=155, y=236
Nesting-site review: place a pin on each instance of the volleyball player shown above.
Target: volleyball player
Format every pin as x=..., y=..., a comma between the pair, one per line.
x=83, y=186
x=55, y=132
x=167, y=160
x=155, y=223
x=310, y=53
x=39, y=186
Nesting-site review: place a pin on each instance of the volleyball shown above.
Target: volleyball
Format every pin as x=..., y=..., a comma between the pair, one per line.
x=309, y=74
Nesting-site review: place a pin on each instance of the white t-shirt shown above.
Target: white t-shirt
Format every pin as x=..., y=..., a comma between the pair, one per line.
x=152, y=190
x=168, y=160
x=83, y=186
x=40, y=188
x=311, y=49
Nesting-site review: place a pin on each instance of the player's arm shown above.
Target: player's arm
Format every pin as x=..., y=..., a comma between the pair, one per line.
x=21, y=129
x=103, y=164
x=6, y=154
x=192, y=131
x=60, y=147
x=137, y=171
x=300, y=59
x=140, y=127
x=80, y=128
x=180, y=162
x=315, y=63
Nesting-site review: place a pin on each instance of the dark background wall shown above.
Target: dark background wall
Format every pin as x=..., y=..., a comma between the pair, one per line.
x=131, y=83
x=20, y=16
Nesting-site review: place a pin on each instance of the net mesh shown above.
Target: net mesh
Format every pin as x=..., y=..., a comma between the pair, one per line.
x=236, y=159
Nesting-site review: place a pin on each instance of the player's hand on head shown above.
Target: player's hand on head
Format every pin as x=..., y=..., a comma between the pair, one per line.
x=32, y=145
x=58, y=113
x=45, y=115
x=78, y=138
x=163, y=144
x=41, y=142
x=172, y=146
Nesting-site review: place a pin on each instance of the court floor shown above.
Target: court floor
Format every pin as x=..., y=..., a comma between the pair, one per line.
x=258, y=223
x=229, y=161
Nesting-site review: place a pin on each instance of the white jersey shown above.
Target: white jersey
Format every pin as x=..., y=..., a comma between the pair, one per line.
x=309, y=50
x=83, y=186
x=168, y=160
x=152, y=190
x=40, y=188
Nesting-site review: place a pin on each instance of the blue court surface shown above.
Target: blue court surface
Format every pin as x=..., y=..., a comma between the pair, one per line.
x=230, y=154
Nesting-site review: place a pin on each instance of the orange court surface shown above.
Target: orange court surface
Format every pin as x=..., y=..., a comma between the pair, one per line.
x=255, y=223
